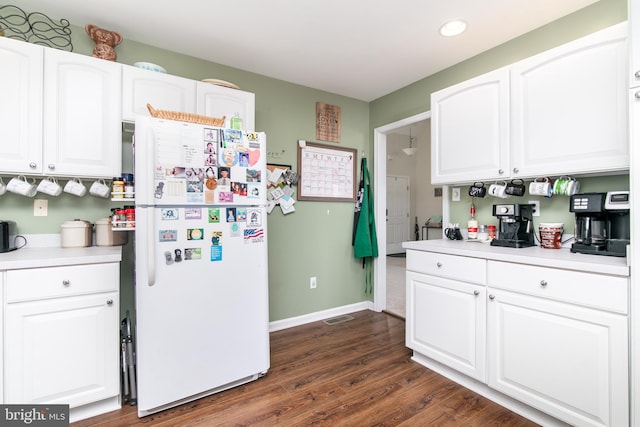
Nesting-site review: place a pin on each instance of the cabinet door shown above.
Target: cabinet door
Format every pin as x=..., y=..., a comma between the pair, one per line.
x=218, y=101
x=62, y=351
x=21, y=107
x=470, y=130
x=569, y=107
x=568, y=361
x=446, y=322
x=634, y=40
x=82, y=122
x=162, y=91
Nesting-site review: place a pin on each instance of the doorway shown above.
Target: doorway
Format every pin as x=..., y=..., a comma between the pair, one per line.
x=380, y=202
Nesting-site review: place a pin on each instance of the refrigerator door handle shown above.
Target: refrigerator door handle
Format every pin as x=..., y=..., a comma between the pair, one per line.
x=151, y=249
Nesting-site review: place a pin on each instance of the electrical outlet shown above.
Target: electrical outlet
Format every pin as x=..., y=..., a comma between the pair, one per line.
x=313, y=282
x=40, y=207
x=536, y=207
x=455, y=194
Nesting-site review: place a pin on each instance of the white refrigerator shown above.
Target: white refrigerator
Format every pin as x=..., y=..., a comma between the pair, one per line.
x=201, y=261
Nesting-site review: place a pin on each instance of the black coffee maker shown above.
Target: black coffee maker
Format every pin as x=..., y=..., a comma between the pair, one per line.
x=516, y=226
x=602, y=223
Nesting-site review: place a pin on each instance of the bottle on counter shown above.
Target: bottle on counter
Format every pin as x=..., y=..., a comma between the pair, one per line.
x=472, y=224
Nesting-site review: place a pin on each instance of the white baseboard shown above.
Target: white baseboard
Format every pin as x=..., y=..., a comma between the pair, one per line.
x=278, y=325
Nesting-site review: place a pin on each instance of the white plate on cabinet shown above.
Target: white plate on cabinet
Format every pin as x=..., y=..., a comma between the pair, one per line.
x=220, y=83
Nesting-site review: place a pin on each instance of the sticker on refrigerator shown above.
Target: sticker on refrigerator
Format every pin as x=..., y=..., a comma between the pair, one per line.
x=234, y=230
x=167, y=235
x=254, y=156
x=239, y=188
x=214, y=215
x=253, y=191
x=169, y=214
x=192, y=213
x=253, y=235
x=254, y=175
x=254, y=217
x=178, y=253
x=243, y=159
x=192, y=254
x=216, y=238
x=216, y=253
x=225, y=197
x=231, y=215
x=195, y=234
x=228, y=156
x=241, y=214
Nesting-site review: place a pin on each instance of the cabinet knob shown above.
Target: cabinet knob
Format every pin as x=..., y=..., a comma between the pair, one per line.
x=500, y=171
x=51, y=166
x=543, y=283
x=476, y=292
x=438, y=264
x=516, y=170
x=109, y=302
x=33, y=165
x=66, y=282
x=492, y=297
x=637, y=74
x=637, y=95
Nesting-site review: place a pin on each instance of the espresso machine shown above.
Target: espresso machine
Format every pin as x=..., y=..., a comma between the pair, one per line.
x=515, y=229
x=602, y=223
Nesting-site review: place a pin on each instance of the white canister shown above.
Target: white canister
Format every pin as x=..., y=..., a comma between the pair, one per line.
x=76, y=234
x=106, y=236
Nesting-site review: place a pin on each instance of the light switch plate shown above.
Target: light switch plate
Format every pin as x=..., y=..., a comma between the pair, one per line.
x=40, y=207
x=455, y=194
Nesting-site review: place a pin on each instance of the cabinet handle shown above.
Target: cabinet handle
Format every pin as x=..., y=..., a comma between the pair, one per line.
x=438, y=264
x=516, y=170
x=543, y=283
x=33, y=165
x=51, y=166
x=109, y=302
x=500, y=171
x=476, y=292
x=66, y=282
x=492, y=297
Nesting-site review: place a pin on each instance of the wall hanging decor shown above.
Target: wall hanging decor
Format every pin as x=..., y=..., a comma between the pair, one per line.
x=327, y=122
x=326, y=173
x=34, y=27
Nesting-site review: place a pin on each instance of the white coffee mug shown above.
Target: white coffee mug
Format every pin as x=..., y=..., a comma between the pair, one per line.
x=75, y=187
x=541, y=188
x=21, y=185
x=498, y=190
x=100, y=188
x=3, y=187
x=49, y=185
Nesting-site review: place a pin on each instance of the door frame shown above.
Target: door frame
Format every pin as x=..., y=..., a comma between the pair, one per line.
x=380, y=203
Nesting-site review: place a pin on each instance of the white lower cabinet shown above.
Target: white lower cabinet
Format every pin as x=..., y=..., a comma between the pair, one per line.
x=445, y=321
x=555, y=340
x=62, y=335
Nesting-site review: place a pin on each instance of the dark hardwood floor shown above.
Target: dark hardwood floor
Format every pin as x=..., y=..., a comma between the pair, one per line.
x=355, y=373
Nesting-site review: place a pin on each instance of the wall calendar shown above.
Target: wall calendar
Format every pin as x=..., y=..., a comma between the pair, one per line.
x=326, y=173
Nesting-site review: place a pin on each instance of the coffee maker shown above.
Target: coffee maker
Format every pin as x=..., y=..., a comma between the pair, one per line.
x=516, y=225
x=602, y=223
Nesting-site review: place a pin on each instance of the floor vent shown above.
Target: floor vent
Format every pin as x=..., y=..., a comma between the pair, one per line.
x=339, y=319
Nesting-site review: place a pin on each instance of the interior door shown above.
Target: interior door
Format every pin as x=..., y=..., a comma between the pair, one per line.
x=397, y=213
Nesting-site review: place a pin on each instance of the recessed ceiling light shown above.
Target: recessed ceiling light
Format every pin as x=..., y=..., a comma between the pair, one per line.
x=453, y=28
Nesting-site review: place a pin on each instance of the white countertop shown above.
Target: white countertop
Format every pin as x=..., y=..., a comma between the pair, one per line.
x=555, y=258
x=57, y=256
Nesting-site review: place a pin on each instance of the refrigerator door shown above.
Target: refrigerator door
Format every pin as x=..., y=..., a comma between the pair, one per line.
x=181, y=163
x=201, y=301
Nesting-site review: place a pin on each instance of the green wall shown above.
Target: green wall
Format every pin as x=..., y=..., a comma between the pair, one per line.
x=316, y=239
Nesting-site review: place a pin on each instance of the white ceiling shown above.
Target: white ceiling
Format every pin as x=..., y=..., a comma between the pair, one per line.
x=362, y=49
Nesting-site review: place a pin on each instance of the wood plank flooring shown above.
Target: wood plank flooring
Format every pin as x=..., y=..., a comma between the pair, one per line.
x=355, y=373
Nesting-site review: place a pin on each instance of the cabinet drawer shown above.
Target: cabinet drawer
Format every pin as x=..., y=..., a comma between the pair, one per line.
x=53, y=282
x=593, y=290
x=471, y=270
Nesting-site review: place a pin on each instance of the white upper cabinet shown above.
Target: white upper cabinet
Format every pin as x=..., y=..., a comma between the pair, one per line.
x=21, y=106
x=82, y=115
x=218, y=101
x=561, y=112
x=470, y=129
x=634, y=38
x=163, y=91
x=569, y=107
